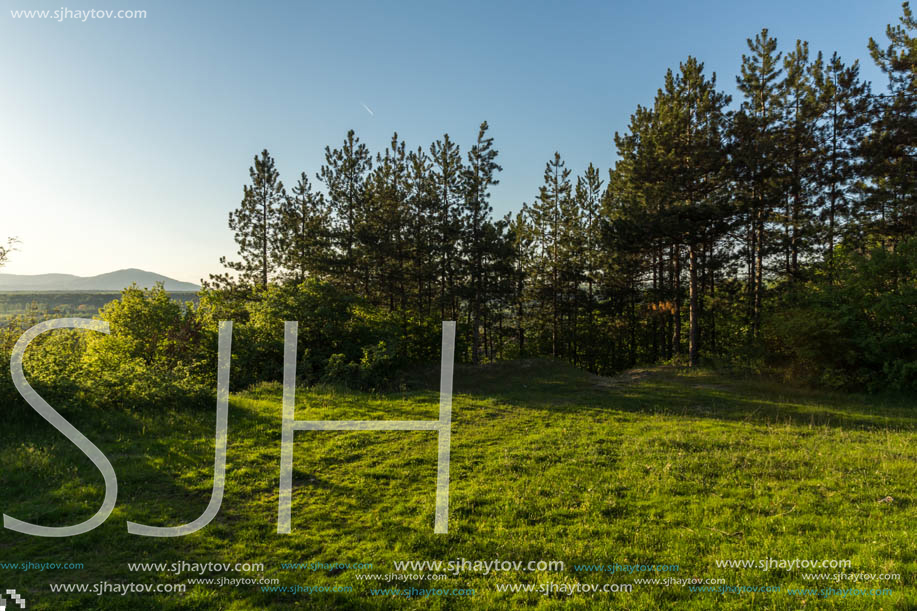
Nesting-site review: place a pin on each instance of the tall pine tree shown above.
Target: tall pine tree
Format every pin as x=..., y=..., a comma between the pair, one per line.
x=254, y=224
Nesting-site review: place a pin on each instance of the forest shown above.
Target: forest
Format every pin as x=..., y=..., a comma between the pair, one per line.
x=773, y=233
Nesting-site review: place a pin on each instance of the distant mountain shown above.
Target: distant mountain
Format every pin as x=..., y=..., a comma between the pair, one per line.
x=112, y=281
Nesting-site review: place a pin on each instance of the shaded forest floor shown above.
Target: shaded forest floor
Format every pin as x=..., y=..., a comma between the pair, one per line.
x=656, y=466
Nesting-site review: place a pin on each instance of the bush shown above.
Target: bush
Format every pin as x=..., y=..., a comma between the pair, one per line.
x=341, y=339
x=855, y=328
x=150, y=357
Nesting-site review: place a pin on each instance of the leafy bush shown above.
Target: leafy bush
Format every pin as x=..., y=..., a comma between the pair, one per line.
x=855, y=327
x=341, y=339
x=150, y=357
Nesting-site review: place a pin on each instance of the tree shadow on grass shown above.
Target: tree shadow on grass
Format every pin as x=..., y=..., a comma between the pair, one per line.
x=164, y=464
x=557, y=386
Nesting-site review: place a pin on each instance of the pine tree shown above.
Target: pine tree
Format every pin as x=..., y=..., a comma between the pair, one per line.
x=521, y=231
x=590, y=189
x=498, y=277
x=447, y=176
x=692, y=122
x=890, y=149
x=589, y=193
x=423, y=206
x=798, y=152
x=344, y=176
x=254, y=223
x=547, y=217
x=383, y=230
x=302, y=240
x=845, y=106
x=478, y=177
x=636, y=200
x=630, y=304
x=758, y=171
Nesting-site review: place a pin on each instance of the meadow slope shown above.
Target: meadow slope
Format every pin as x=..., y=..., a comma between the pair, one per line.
x=659, y=466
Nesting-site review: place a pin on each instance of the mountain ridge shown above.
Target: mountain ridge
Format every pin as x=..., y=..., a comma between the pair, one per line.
x=110, y=281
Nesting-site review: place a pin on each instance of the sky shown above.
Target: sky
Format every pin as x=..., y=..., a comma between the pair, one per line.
x=126, y=142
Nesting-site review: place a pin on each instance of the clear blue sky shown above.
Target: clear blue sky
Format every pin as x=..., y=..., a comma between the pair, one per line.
x=125, y=143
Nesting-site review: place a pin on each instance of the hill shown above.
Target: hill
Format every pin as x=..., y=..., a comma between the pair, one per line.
x=112, y=281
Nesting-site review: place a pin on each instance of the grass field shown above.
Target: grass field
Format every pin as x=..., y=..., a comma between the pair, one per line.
x=548, y=463
x=58, y=304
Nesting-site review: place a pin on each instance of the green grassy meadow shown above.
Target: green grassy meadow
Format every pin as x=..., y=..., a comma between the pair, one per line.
x=657, y=466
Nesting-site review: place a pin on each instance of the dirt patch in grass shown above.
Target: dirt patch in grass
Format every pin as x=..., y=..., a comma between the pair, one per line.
x=712, y=387
x=631, y=376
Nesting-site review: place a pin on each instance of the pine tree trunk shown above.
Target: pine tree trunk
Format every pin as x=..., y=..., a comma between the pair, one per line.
x=519, y=322
x=752, y=273
x=712, y=271
x=795, y=244
x=264, y=219
x=633, y=326
x=655, y=330
x=676, y=282
x=692, y=314
x=759, y=274
x=574, y=322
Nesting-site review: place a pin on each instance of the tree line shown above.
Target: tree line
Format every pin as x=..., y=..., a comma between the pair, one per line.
x=721, y=222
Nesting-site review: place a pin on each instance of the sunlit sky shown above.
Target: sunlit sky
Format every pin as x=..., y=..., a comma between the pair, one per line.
x=125, y=143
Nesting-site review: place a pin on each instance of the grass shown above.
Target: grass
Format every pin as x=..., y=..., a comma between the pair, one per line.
x=659, y=466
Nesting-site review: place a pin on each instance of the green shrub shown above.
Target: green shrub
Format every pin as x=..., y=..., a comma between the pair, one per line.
x=853, y=328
